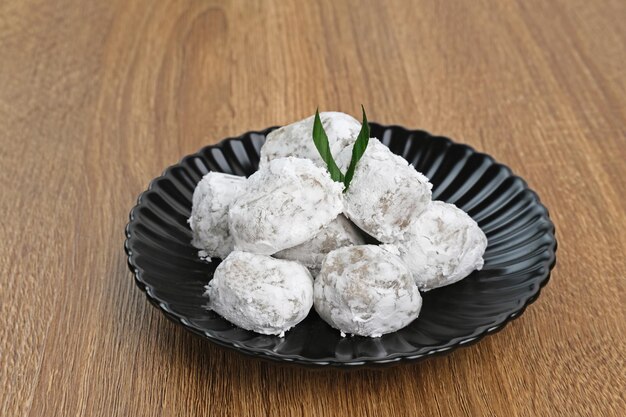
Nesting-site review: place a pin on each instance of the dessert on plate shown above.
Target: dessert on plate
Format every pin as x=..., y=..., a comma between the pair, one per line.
x=295, y=138
x=261, y=293
x=442, y=246
x=339, y=233
x=209, y=213
x=366, y=290
x=385, y=193
x=293, y=234
x=283, y=204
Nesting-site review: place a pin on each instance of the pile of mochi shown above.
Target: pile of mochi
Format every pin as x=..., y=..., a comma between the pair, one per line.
x=291, y=238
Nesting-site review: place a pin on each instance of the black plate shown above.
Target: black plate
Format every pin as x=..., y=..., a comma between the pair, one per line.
x=518, y=260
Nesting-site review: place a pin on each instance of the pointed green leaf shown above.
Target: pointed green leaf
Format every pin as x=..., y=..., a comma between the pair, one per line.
x=358, y=149
x=323, y=147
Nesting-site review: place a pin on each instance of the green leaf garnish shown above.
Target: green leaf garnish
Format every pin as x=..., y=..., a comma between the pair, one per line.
x=358, y=149
x=321, y=143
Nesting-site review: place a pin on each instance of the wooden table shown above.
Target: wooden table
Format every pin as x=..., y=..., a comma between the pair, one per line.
x=97, y=98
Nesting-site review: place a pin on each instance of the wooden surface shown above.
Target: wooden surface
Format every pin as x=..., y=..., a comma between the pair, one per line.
x=97, y=98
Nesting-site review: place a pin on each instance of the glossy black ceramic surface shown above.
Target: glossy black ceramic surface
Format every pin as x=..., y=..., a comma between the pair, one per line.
x=518, y=260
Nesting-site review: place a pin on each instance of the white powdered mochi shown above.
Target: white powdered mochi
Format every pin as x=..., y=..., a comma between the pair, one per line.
x=260, y=293
x=443, y=245
x=296, y=139
x=209, y=212
x=385, y=193
x=339, y=233
x=284, y=204
x=366, y=290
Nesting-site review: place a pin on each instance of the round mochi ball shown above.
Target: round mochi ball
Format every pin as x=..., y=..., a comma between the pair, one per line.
x=209, y=213
x=385, y=193
x=366, y=290
x=296, y=139
x=340, y=232
x=284, y=204
x=443, y=246
x=260, y=293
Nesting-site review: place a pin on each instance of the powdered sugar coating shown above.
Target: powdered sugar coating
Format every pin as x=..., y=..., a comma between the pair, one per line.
x=366, y=290
x=296, y=138
x=284, y=204
x=443, y=245
x=385, y=193
x=340, y=232
x=260, y=293
x=209, y=213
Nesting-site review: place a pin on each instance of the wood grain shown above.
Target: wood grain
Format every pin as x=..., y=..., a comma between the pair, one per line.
x=96, y=98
